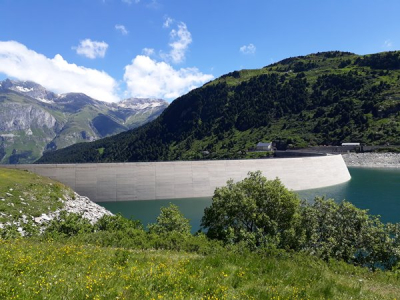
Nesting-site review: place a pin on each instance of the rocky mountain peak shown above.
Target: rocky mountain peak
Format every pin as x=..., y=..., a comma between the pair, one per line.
x=30, y=89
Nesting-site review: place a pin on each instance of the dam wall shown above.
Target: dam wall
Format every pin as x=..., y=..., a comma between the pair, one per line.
x=186, y=179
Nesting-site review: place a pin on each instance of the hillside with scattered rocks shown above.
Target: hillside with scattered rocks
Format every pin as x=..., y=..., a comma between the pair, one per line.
x=27, y=200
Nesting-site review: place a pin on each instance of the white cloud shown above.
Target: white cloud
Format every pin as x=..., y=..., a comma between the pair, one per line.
x=122, y=29
x=145, y=77
x=248, y=49
x=167, y=23
x=148, y=51
x=388, y=44
x=56, y=74
x=91, y=49
x=180, y=41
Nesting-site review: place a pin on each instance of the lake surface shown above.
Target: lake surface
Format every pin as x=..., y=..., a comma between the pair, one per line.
x=375, y=189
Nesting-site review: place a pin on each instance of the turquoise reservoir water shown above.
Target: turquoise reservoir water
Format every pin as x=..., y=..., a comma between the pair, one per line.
x=375, y=189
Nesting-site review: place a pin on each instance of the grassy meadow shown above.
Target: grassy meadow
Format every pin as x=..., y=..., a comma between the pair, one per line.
x=66, y=270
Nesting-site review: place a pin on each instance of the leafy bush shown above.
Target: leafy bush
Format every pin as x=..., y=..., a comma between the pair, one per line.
x=261, y=213
x=170, y=220
x=345, y=232
x=257, y=211
x=171, y=232
x=116, y=223
x=68, y=224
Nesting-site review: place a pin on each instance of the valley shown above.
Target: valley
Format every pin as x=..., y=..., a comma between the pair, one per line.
x=34, y=120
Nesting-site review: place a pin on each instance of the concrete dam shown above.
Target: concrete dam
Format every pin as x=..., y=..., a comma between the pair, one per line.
x=186, y=179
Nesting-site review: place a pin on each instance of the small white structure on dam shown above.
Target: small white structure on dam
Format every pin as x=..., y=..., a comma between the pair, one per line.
x=187, y=179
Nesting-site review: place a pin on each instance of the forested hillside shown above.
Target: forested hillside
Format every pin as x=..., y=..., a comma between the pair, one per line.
x=323, y=98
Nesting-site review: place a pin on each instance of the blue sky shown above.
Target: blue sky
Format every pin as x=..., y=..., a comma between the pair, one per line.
x=114, y=49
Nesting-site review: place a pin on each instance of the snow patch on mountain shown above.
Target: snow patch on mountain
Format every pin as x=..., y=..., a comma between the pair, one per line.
x=142, y=103
x=45, y=100
x=23, y=89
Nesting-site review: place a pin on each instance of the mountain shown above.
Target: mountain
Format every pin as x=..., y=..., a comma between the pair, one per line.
x=34, y=120
x=319, y=99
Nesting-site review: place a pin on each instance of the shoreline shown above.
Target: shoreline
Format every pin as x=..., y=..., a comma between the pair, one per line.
x=372, y=160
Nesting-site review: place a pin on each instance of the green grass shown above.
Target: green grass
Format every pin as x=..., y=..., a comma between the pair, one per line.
x=37, y=270
x=25, y=193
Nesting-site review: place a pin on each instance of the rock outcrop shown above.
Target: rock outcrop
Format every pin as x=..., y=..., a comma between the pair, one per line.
x=78, y=205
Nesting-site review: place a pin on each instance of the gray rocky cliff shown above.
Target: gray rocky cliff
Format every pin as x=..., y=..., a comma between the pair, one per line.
x=17, y=116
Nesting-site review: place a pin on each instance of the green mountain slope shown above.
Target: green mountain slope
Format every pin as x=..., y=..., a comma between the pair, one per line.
x=34, y=120
x=323, y=98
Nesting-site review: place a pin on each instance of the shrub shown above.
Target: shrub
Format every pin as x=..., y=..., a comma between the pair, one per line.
x=256, y=211
x=68, y=224
x=170, y=219
x=345, y=232
x=262, y=214
x=116, y=223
